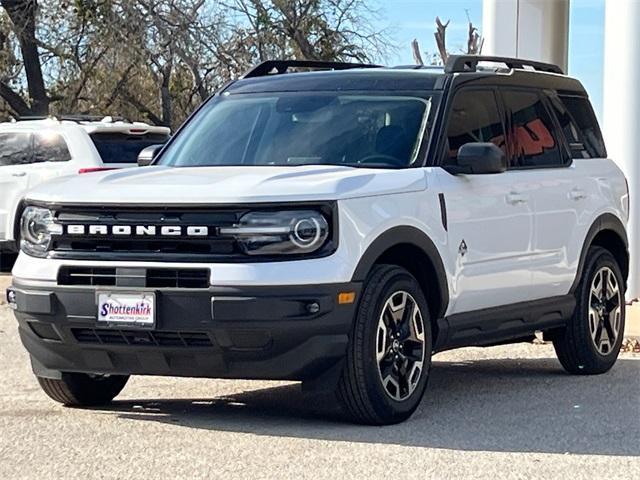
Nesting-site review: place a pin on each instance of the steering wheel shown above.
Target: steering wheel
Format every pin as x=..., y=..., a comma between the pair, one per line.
x=381, y=158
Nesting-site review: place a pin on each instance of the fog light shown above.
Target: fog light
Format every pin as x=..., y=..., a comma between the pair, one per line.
x=313, y=307
x=11, y=298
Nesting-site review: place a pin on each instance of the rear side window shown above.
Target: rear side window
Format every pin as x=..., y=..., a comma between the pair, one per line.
x=122, y=147
x=474, y=117
x=15, y=149
x=531, y=132
x=50, y=147
x=580, y=127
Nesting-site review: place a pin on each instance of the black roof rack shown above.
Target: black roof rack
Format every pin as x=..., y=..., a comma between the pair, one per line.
x=72, y=118
x=414, y=66
x=281, y=66
x=469, y=63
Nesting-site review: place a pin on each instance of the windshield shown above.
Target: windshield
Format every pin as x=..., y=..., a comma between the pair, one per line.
x=302, y=129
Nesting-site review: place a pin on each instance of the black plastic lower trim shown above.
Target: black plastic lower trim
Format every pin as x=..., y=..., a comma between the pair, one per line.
x=496, y=325
x=604, y=222
x=284, y=332
x=412, y=236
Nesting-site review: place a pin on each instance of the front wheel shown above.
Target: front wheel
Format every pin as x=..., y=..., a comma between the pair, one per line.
x=389, y=355
x=7, y=259
x=591, y=342
x=83, y=390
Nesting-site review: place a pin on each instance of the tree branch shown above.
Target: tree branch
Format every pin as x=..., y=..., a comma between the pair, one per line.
x=15, y=101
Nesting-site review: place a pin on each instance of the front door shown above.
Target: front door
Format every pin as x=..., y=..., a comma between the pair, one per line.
x=490, y=217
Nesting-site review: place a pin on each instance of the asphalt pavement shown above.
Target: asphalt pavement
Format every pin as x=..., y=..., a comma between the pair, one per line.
x=502, y=412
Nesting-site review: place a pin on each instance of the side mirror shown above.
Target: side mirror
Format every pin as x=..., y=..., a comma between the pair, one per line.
x=148, y=154
x=479, y=159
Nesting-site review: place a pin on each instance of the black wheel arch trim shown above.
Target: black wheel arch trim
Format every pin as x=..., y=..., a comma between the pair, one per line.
x=606, y=221
x=417, y=238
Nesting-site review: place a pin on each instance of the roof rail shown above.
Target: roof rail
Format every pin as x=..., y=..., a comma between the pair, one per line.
x=469, y=63
x=72, y=118
x=281, y=66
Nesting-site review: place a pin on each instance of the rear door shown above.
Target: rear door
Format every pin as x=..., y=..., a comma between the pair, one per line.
x=15, y=157
x=538, y=153
x=490, y=217
x=573, y=185
x=51, y=157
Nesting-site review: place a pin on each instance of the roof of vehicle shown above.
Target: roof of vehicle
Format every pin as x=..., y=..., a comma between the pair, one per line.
x=276, y=76
x=89, y=124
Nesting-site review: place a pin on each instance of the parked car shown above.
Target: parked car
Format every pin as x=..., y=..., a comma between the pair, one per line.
x=335, y=227
x=34, y=151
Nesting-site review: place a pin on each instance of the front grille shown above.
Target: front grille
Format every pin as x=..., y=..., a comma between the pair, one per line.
x=137, y=233
x=146, y=247
x=105, y=336
x=87, y=276
x=134, y=277
x=177, y=278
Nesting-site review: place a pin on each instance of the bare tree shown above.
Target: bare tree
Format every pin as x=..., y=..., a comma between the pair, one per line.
x=22, y=14
x=473, y=46
x=474, y=39
x=309, y=29
x=158, y=59
x=417, y=56
x=441, y=41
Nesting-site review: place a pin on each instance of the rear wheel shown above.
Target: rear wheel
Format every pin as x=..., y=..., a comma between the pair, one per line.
x=83, y=390
x=389, y=356
x=591, y=342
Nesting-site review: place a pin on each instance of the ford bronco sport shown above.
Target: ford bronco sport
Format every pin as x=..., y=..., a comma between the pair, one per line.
x=335, y=226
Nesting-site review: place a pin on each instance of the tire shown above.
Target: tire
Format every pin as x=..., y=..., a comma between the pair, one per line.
x=82, y=390
x=582, y=347
x=7, y=259
x=364, y=395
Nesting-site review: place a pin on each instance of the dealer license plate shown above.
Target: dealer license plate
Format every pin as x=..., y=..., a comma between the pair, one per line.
x=127, y=309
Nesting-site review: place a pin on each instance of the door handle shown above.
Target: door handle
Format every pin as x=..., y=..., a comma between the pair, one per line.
x=577, y=194
x=515, y=198
x=18, y=174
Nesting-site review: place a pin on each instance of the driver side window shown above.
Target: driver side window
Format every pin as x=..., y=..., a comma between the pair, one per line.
x=474, y=117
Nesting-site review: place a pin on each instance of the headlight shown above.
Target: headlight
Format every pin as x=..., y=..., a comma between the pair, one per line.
x=280, y=233
x=36, y=227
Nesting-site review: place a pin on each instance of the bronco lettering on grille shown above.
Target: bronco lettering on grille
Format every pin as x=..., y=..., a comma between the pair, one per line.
x=137, y=230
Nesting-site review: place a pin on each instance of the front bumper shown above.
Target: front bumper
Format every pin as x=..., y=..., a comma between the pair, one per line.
x=221, y=332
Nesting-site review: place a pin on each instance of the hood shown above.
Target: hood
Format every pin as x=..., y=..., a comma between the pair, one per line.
x=195, y=185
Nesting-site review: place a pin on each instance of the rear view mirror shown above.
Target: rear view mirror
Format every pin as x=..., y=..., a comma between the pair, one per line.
x=148, y=154
x=479, y=159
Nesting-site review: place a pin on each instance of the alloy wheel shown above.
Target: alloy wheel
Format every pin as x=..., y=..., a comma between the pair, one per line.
x=605, y=310
x=400, y=345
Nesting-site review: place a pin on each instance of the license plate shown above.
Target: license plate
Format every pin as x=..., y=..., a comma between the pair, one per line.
x=127, y=309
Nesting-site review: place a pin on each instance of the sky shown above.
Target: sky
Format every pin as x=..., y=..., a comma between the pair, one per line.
x=409, y=19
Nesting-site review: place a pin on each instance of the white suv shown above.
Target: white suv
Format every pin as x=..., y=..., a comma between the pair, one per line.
x=335, y=227
x=34, y=151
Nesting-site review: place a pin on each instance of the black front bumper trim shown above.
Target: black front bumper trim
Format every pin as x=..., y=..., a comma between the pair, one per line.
x=284, y=332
